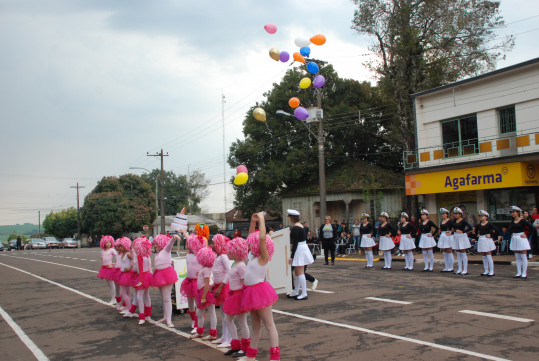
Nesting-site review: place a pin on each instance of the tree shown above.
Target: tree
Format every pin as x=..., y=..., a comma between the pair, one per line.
x=118, y=205
x=61, y=224
x=422, y=44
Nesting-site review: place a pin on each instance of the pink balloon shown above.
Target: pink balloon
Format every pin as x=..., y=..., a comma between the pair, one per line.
x=242, y=169
x=270, y=28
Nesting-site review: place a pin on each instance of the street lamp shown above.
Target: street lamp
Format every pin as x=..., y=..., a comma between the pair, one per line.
x=156, y=204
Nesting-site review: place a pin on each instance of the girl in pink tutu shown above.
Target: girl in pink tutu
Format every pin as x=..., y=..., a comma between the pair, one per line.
x=126, y=278
x=237, y=251
x=221, y=267
x=164, y=276
x=143, y=281
x=258, y=294
x=189, y=284
x=205, y=299
x=107, y=271
x=117, y=274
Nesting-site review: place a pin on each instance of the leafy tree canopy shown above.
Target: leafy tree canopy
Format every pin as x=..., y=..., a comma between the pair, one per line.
x=61, y=224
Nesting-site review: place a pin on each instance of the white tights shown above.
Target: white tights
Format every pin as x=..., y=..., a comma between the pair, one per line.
x=213, y=316
x=387, y=259
x=126, y=296
x=167, y=302
x=117, y=290
x=143, y=299
x=112, y=289
x=242, y=322
x=369, y=258
x=263, y=315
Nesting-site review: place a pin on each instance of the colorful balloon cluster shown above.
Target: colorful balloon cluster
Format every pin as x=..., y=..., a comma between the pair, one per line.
x=241, y=175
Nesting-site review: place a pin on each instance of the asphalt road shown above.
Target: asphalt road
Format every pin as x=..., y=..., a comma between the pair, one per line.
x=57, y=301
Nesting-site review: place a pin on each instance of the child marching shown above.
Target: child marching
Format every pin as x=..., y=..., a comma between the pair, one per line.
x=300, y=256
x=427, y=229
x=205, y=300
x=486, y=232
x=366, y=231
x=407, y=244
x=221, y=268
x=189, y=284
x=461, y=242
x=164, y=276
x=107, y=271
x=386, y=243
x=445, y=242
x=519, y=242
x=143, y=280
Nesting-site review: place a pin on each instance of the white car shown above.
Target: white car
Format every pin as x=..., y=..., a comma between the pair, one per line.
x=70, y=243
x=52, y=242
x=36, y=243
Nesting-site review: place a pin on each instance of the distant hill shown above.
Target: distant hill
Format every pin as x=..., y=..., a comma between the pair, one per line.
x=26, y=229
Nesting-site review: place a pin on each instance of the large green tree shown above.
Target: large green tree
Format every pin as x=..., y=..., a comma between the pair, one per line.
x=61, y=224
x=421, y=44
x=118, y=205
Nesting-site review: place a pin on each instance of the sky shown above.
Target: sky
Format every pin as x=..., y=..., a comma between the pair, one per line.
x=88, y=87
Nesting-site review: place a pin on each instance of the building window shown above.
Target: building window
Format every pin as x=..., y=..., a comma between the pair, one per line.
x=507, y=119
x=459, y=136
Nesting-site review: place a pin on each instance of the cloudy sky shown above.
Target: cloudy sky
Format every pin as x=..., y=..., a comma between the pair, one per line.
x=88, y=87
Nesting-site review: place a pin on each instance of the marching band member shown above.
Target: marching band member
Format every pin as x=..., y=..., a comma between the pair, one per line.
x=300, y=255
x=427, y=243
x=519, y=242
x=366, y=231
x=407, y=244
x=386, y=244
x=445, y=242
x=461, y=242
x=486, y=232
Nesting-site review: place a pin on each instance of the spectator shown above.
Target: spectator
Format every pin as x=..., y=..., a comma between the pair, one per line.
x=506, y=238
x=328, y=235
x=271, y=230
x=89, y=241
x=19, y=243
x=356, y=233
x=237, y=232
x=311, y=242
x=342, y=245
x=337, y=226
x=536, y=226
x=305, y=227
x=280, y=226
x=344, y=227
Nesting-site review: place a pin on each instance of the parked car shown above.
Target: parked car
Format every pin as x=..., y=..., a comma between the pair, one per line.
x=70, y=243
x=52, y=242
x=1, y=246
x=36, y=243
x=12, y=244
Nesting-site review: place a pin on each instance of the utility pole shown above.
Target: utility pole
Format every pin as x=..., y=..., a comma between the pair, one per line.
x=39, y=222
x=161, y=154
x=223, y=101
x=78, y=214
x=321, y=160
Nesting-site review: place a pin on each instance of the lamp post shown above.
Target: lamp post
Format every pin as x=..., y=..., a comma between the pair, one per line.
x=156, y=204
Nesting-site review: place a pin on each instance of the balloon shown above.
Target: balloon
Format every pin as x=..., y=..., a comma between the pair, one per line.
x=318, y=39
x=319, y=81
x=305, y=51
x=274, y=54
x=293, y=102
x=284, y=56
x=301, y=42
x=301, y=113
x=241, y=179
x=305, y=83
x=259, y=114
x=270, y=28
x=312, y=68
x=242, y=169
x=299, y=58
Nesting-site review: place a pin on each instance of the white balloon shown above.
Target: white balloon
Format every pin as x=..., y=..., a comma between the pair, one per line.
x=301, y=42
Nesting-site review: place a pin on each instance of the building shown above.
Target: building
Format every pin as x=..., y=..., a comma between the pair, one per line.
x=236, y=220
x=478, y=143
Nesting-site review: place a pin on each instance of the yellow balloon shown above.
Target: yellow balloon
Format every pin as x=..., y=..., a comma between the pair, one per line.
x=259, y=114
x=305, y=83
x=274, y=54
x=241, y=179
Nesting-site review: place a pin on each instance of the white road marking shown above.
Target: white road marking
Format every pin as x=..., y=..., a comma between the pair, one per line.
x=388, y=300
x=486, y=314
x=58, y=264
x=40, y=356
x=321, y=291
x=397, y=337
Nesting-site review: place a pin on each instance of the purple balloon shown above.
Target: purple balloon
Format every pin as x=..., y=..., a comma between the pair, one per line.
x=301, y=113
x=319, y=81
x=284, y=56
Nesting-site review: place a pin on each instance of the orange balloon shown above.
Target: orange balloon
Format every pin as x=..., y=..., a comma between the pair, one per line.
x=318, y=39
x=293, y=102
x=298, y=57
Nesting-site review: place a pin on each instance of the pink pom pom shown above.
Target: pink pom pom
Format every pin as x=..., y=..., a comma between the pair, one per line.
x=238, y=248
x=104, y=241
x=206, y=256
x=125, y=243
x=254, y=241
x=161, y=240
x=142, y=247
x=195, y=243
x=220, y=243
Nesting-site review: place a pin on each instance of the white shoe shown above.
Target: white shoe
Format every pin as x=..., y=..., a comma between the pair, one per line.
x=194, y=330
x=218, y=341
x=224, y=345
x=128, y=314
x=314, y=285
x=170, y=325
x=112, y=302
x=161, y=320
x=141, y=322
x=148, y=318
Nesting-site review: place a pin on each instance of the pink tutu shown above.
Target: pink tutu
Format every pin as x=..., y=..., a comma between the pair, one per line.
x=117, y=274
x=189, y=287
x=164, y=277
x=145, y=278
x=210, y=300
x=222, y=296
x=126, y=278
x=258, y=296
x=107, y=273
x=232, y=304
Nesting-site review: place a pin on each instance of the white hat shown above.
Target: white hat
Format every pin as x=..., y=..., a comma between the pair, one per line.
x=483, y=213
x=384, y=214
x=515, y=208
x=424, y=211
x=457, y=210
x=443, y=210
x=292, y=212
x=364, y=215
x=404, y=214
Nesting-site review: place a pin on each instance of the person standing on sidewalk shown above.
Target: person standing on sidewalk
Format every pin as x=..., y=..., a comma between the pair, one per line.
x=19, y=243
x=356, y=233
x=328, y=234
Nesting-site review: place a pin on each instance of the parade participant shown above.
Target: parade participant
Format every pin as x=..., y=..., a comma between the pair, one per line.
x=366, y=231
x=205, y=299
x=165, y=276
x=127, y=276
x=427, y=229
x=221, y=267
x=407, y=244
x=445, y=242
x=143, y=280
x=300, y=255
x=258, y=294
x=117, y=274
x=461, y=243
x=519, y=242
x=386, y=244
x=237, y=251
x=107, y=271
x=188, y=287
x=328, y=234
x=486, y=231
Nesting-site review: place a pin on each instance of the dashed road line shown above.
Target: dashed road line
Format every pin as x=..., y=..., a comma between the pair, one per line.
x=388, y=300
x=494, y=315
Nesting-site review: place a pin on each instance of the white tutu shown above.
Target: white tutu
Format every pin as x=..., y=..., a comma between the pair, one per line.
x=426, y=241
x=518, y=243
x=367, y=242
x=406, y=243
x=385, y=244
x=461, y=241
x=485, y=244
x=303, y=255
x=445, y=241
